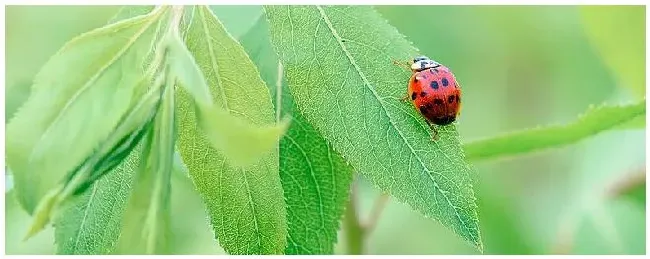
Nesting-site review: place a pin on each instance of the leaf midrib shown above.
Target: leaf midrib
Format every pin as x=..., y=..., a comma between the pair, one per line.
x=213, y=59
x=313, y=178
x=94, y=78
x=367, y=84
x=83, y=220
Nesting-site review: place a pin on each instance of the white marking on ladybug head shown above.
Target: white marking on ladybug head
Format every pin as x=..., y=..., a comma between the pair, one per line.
x=423, y=63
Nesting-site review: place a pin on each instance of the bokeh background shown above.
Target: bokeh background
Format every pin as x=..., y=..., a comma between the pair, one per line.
x=520, y=67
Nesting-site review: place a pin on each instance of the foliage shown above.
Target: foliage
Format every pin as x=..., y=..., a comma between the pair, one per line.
x=263, y=114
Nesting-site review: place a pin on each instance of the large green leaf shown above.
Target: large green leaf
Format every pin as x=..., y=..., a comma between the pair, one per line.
x=88, y=84
x=339, y=65
x=90, y=223
x=618, y=34
x=594, y=121
x=315, y=179
x=246, y=206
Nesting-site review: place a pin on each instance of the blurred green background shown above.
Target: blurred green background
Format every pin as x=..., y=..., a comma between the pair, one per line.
x=520, y=67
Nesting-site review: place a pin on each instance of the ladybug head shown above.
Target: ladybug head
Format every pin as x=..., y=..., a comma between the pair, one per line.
x=423, y=63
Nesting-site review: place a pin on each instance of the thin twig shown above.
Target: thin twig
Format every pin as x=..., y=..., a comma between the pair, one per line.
x=354, y=232
x=375, y=213
x=566, y=233
x=624, y=185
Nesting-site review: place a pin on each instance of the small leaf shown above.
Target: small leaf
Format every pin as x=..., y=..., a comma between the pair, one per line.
x=316, y=180
x=88, y=84
x=246, y=206
x=183, y=66
x=618, y=33
x=339, y=65
x=146, y=221
x=17, y=222
x=594, y=121
x=241, y=143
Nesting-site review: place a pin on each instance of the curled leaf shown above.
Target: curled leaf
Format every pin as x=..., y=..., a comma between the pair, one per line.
x=592, y=122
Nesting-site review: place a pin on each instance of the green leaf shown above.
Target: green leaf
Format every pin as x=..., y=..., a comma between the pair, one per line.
x=16, y=223
x=246, y=206
x=183, y=66
x=113, y=152
x=88, y=84
x=131, y=11
x=90, y=223
x=594, y=121
x=33, y=35
x=146, y=221
x=241, y=142
x=345, y=84
x=618, y=33
x=238, y=19
x=316, y=180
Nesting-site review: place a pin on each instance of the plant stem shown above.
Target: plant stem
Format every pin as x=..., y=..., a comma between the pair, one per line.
x=375, y=213
x=354, y=232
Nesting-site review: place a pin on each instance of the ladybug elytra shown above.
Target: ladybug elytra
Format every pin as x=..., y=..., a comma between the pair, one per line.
x=434, y=92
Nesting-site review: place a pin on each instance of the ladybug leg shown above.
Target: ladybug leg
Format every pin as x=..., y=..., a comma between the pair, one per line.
x=435, y=131
x=404, y=98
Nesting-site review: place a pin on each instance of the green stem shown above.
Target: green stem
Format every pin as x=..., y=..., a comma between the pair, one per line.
x=353, y=230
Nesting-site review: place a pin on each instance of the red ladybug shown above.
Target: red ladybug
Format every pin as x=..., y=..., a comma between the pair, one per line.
x=434, y=91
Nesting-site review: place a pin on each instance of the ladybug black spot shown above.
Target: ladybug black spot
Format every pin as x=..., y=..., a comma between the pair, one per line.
x=413, y=96
x=451, y=98
x=445, y=82
x=423, y=94
x=434, y=84
x=423, y=109
x=438, y=101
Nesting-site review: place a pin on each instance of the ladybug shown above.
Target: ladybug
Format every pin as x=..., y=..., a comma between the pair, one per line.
x=434, y=92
